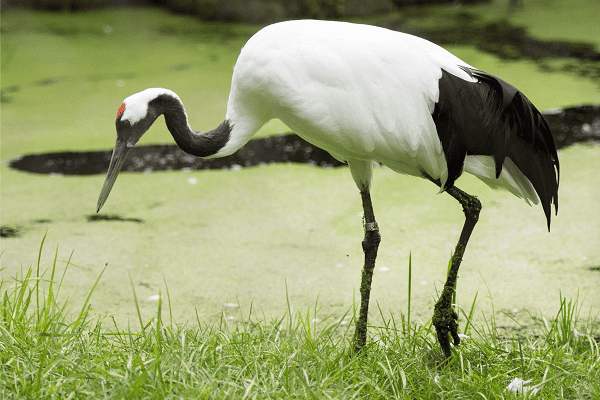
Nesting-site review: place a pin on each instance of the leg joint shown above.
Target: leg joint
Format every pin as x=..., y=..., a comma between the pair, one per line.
x=470, y=204
x=371, y=241
x=471, y=207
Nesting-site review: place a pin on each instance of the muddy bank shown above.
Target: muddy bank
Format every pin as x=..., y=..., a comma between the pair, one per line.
x=569, y=126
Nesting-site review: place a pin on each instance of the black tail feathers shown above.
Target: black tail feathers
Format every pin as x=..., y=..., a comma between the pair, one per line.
x=491, y=117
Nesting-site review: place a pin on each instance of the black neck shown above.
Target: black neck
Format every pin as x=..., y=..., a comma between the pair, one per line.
x=192, y=142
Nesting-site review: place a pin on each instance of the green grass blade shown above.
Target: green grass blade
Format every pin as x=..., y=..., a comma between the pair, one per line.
x=135, y=300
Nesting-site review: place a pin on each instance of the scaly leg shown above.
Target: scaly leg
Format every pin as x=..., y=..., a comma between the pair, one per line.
x=369, y=244
x=444, y=316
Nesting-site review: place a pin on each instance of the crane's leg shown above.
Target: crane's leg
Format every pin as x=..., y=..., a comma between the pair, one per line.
x=444, y=316
x=369, y=244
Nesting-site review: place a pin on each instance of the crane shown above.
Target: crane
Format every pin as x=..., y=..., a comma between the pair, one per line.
x=369, y=95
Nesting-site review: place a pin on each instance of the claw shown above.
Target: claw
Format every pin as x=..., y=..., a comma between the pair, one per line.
x=442, y=335
x=454, y=332
x=445, y=324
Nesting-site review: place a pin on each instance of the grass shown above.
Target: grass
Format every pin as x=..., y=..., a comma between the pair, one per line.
x=53, y=348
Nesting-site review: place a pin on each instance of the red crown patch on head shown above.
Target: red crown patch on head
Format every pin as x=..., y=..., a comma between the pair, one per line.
x=121, y=110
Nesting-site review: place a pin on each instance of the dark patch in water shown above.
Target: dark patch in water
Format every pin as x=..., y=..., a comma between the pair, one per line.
x=568, y=126
x=112, y=217
x=506, y=41
x=9, y=231
x=204, y=32
x=145, y=284
x=181, y=67
x=117, y=76
x=576, y=124
x=276, y=149
x=47, y=81
x=5, y=93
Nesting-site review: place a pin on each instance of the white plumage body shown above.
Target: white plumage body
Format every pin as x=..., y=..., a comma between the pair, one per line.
x=362, y=93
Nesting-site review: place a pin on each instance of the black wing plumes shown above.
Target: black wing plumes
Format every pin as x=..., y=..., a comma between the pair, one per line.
x=491, y=117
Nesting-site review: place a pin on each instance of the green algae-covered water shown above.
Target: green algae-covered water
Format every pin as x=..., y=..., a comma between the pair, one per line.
x=224, y=241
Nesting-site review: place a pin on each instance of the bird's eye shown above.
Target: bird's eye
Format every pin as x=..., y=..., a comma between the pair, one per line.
x=123, y=123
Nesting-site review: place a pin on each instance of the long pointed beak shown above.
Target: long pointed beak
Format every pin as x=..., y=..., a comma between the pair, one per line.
x=116, y=163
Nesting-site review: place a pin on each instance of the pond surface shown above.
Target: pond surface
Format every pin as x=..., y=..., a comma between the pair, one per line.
x=568, y=126
x=505, y=41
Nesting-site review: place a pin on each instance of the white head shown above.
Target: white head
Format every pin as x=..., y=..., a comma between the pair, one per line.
x=135, y=107
x=135, y=116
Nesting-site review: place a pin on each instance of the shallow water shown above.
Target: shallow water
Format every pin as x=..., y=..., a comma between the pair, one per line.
x=508, y=42
x=568, y=126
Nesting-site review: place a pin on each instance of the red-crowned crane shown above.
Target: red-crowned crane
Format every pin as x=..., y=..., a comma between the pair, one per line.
x=370, y=95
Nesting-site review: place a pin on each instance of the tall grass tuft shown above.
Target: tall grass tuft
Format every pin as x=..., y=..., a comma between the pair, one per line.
x=58, y=350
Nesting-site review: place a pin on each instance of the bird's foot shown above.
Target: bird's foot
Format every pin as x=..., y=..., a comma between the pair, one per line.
x=445, y=322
